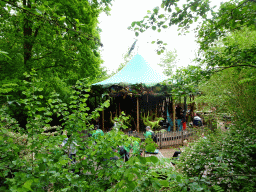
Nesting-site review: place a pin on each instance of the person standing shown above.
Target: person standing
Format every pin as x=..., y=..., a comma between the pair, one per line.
x=97, y=132
x=179, y=117
x=197, y=120
x=148, y=133
x=169, y=119
x=72, y=148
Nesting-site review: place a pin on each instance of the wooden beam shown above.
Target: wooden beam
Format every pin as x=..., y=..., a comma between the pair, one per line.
x=185, y=108
x=119, y=108
x=174, y=114
x=138, y=115
x=103, y=128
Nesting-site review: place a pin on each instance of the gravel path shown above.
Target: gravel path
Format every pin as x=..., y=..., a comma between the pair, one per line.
x=168, y=153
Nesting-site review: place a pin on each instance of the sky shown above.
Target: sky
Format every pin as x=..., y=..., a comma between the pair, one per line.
x=117, y=39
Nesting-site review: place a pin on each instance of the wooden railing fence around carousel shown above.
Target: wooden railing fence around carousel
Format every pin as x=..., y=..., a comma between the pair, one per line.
x=168, y=139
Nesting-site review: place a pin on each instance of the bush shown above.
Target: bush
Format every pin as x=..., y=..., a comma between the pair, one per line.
x=33, y=161
x=226, y=159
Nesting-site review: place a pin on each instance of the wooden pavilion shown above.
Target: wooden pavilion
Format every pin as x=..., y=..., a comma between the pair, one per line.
x=136, y=89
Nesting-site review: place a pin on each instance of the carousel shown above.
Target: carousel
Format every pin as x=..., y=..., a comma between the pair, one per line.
x=140, y=92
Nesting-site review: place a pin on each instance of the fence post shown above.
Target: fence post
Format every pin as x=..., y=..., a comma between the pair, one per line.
x=160, y=140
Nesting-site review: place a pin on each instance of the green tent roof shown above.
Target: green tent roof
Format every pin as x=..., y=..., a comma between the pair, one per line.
x=137, y=71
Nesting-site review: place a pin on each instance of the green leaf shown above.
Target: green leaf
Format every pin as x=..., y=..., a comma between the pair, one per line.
x=164, y=183
x=62, y=18
x=130, y=177
x=161, y=16
x=154, y=28
x=136, y=34
x=131, y=186
x=159, y=30
x=152, y=42
x=154, y=159
x=41, y=109
x=2, y=3
x=42, y=167
x=28, y=184
x=177, y=9
x=143, y=160
x=178, y=178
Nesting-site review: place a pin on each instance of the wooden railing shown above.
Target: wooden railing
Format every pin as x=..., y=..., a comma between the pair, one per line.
x=177, y=138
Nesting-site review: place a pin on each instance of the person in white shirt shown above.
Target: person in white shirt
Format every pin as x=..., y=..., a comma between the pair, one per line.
x=72, y=149
x=197, y=120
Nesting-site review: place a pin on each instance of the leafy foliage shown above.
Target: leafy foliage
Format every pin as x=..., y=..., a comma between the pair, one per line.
x=61, y=44
x=168, y=62
x=33, y=161
x=224, y=159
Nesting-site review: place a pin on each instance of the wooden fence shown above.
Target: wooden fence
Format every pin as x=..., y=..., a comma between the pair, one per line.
x=168, y=139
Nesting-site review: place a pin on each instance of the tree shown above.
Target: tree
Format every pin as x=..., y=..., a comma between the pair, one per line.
x=58, y=39
x=168, y=62
x=213, y=25
x=54, y=40
x=237, y=49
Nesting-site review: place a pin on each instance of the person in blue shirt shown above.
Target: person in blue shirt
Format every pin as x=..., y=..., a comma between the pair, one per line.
x=98, y=132
x=169, y=119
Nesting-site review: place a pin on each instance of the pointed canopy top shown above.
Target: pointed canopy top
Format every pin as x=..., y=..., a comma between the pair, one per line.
x=136, y=71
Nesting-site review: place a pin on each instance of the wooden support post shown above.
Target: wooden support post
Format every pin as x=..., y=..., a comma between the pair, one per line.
x=156, y=112
x=95, y=103
x=182, y=137
x=160, y=140
x=116, y=107
x=174, y=114
x=185, y=109
x=103, y=128
x=138, y=116
x=119, y=108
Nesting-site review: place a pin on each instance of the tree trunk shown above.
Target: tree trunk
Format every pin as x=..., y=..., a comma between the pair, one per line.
x=28, y=35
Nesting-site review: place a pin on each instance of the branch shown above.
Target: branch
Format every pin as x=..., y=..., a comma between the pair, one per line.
x=240, y=5
x=88, y=36
x=36, y=32
x=223, y=68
